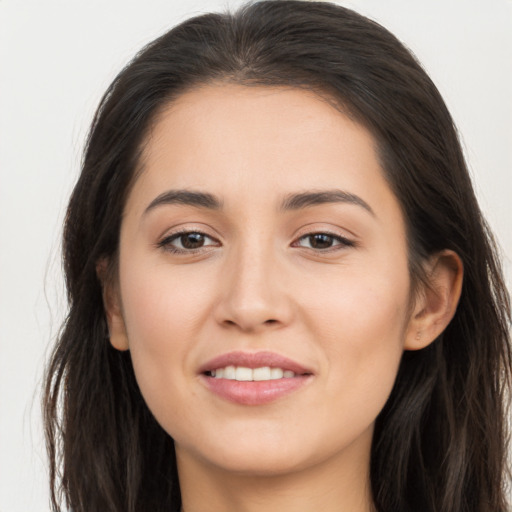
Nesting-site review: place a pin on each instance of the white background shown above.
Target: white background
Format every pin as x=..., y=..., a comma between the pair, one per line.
x=56, y=59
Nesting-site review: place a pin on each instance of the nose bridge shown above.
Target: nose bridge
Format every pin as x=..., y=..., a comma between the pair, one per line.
x=254, y=296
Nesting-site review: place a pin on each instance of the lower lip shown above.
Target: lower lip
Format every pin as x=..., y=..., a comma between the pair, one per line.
x=254, y=392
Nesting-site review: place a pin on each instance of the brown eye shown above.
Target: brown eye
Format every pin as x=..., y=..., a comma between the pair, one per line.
x=320, y=241
x=192, y=240
x=187, y=241
x=323, y=241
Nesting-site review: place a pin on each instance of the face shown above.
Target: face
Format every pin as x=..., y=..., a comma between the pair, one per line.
x=263, y=285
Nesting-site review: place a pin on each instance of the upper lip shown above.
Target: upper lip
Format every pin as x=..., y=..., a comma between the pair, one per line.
x=254, y=360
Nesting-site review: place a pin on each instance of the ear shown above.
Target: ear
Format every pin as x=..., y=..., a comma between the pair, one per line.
x=112, y=305
x=437, y=302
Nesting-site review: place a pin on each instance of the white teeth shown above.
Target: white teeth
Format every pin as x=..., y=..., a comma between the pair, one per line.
x=276, y=373
x=244, y=374
x=262, y=373
x=229, y=372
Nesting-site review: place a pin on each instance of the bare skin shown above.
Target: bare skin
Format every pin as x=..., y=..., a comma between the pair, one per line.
x=262, y=222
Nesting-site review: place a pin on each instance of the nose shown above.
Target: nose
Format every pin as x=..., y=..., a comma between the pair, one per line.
x=254, y=296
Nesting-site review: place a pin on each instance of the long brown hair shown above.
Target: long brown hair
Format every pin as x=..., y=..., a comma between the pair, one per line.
x=440, y=442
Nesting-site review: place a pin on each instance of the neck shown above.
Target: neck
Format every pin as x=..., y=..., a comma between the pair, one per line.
x=335, y=485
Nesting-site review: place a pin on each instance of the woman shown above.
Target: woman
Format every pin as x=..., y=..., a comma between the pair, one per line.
x=282, y=292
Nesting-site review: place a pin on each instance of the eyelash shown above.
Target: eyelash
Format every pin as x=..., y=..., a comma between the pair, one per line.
x=166, y=243
x=342, y=242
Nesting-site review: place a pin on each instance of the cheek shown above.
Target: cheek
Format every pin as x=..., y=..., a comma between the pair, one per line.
x=362, y=306
x=162, y=314
x=160, y=303
x=360, y=323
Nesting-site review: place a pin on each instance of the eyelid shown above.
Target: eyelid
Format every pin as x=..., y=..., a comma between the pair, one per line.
x=337, y=238
x=327, y=227
x=187, y=227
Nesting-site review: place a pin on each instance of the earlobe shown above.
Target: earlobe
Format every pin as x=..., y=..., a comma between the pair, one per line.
x=436, y=304
x=117, y=330
x=112, y=305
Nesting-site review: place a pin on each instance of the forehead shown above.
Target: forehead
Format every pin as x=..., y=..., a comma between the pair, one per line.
x=263, y=122
x=258, y=142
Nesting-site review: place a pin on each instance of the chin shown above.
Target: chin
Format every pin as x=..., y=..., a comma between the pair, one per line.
x=258, y=462
x=261, y=452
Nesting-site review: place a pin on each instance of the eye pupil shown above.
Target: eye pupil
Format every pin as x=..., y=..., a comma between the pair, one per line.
x=320, y=241
x=192, y=240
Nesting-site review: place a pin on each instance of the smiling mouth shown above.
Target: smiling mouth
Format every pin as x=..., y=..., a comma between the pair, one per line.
x=253, y=378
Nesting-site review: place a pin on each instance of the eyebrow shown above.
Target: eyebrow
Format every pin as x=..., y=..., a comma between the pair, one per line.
x=306, y=199
x=186, y=197
x=291, y=202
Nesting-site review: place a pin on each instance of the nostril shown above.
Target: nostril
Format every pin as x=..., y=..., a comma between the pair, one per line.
x=247, y=323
